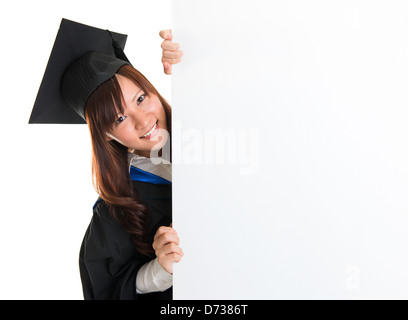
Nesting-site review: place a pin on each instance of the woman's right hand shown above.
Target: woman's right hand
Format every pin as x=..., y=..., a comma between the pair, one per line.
x=171, y=51
x=166, y=245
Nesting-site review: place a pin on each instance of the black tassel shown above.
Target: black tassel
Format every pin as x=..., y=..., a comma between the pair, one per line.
x=118, y=50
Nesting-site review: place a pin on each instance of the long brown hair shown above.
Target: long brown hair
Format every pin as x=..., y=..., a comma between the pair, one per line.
x=110, y=168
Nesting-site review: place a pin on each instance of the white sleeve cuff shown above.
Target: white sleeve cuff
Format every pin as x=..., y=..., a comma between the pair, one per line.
x=152, y=278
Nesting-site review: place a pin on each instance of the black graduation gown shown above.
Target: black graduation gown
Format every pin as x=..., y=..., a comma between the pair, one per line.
x=109, y=261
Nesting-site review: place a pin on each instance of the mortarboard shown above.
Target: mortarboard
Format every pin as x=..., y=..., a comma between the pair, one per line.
x=82, y=58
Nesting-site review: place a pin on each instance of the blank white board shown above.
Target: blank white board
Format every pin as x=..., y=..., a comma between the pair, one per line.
x=290, y=149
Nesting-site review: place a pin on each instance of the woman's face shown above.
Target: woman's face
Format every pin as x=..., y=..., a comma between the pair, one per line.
x=142, y=126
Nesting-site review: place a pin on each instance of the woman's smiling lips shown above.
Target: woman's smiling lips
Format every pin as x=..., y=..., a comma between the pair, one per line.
x=151, y=133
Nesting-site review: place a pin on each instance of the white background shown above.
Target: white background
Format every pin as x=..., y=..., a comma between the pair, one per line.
x=322, y=86
x=46, y=188
x=318, y=90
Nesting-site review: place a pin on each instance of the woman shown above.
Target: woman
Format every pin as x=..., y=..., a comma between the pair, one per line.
x=130, y=247
x=129, y=127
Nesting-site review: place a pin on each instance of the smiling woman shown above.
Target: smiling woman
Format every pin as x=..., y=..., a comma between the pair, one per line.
x=137, y=114
x=130, y=246
x=119, y=113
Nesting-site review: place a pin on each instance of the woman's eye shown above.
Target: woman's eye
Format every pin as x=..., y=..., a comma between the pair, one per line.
x=141, y=98
x=120, y=119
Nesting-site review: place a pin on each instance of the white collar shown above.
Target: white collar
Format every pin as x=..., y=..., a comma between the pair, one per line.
x=157, y=166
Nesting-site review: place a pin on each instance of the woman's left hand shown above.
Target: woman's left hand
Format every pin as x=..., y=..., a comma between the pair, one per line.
x=171, y=51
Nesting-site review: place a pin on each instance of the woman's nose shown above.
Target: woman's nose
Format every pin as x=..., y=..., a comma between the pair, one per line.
x=141, y=118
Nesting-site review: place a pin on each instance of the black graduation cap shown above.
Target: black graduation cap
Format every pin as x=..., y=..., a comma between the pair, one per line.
x=82, y=58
